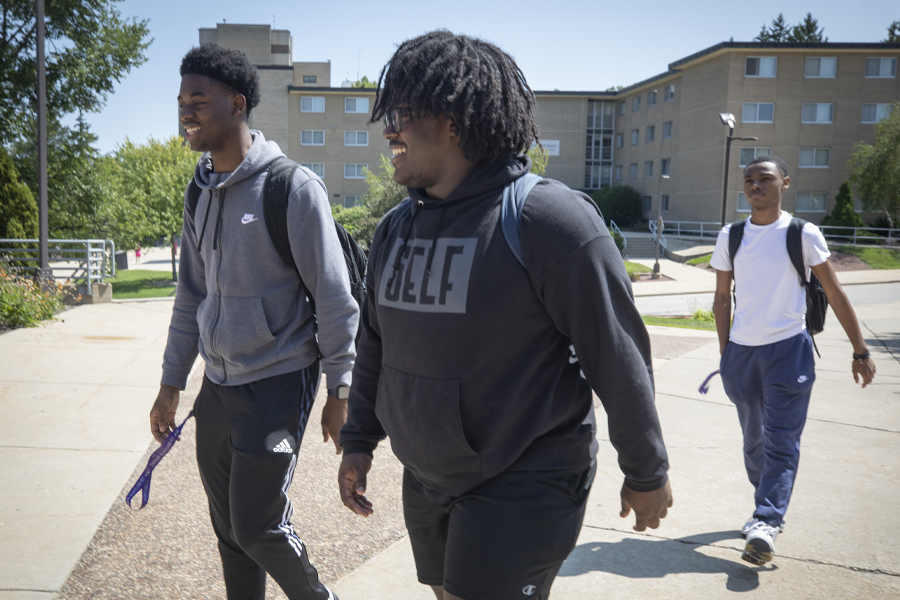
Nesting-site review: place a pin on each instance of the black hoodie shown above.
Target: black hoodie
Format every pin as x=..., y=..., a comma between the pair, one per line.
x=465, y=359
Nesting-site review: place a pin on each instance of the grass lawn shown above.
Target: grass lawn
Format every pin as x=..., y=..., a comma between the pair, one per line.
x=136, y=283
x=700, y=260
x=683, y=322
x=877, y=258
x=633, y=268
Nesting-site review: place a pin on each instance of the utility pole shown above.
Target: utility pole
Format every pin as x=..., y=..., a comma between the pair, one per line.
x=45, y=274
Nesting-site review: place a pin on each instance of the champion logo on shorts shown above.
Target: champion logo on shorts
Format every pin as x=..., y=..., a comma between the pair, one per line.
x=802, y=378
x=283, y=446
x=529, y=590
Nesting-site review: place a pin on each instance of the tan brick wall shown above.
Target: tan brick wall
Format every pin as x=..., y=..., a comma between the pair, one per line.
x=321, y=71
x=565, y=119
x=271, y=115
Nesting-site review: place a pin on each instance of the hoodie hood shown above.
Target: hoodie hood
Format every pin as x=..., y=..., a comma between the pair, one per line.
x=483, y=179
x=258, y=158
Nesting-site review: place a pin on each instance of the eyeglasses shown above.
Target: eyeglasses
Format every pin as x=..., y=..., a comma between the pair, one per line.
x=394, y=118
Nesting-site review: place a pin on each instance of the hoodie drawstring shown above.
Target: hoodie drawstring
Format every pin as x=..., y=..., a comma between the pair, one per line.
x=402, y=249
x=205, y=221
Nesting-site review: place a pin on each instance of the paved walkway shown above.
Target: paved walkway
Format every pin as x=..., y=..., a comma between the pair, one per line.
x=75, y=396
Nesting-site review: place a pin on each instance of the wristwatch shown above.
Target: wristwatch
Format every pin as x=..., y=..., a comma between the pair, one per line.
x=341, y=392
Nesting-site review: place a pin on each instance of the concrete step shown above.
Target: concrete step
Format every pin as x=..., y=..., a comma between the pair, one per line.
x=640, y=248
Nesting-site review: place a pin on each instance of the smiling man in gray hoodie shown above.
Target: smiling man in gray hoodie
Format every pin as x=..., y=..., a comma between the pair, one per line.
x=250, y=318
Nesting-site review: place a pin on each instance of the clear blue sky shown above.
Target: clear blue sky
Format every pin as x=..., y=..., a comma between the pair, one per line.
x=564, y=44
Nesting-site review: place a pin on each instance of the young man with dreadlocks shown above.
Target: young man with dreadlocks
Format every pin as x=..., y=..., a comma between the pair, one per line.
x=251, y=320
x=467, y=359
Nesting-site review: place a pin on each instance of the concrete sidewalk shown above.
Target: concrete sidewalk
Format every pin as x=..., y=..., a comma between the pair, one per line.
x=76, y=394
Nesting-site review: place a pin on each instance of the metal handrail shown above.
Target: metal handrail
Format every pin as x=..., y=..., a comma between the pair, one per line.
x=87, y=261
x=614, y=227
x=883, y=235
x=662, y=236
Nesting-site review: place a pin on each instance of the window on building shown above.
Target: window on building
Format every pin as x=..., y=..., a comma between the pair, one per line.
x=815, y=158
x=748, y=154
x=632, y=171
x=635, y=136
x=760, y=66
x=356, y=138
x=309, y=79
x=881, y=67
x=351, y=201
x=355, y=170
x=664, y=204
x=667, y=130
x=857, y=204
x=312, y=138
x=873, y=113
x=648, y=168
x=618, y=172
x=665, y=166
x=647, y=204
x=811, y=202
x=621, y=108
x=635, y=103
x=317, y=168
x=758, y=112
x=620, y=140
x=650, y=134
x=821, y=112
x=670, y=92
x=651, y=98
x=820, y=67
x=742, y=204
x=356, y=105
x=312, y=104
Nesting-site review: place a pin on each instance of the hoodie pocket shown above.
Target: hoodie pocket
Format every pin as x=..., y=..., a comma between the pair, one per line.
x=240, y=334
x=421, y=416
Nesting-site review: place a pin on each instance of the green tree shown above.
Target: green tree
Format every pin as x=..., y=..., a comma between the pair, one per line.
x=807, y=31
x=539, y=157
x=778, y=32
x=18, y=210
x=875, y=170
x=90, y=48
x=364, y=83
x=843, y=212
x=893, y=35
x=151, y=180
x=620, y=203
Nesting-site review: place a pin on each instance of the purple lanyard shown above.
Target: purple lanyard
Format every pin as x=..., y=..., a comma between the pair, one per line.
x=704, y=387
x=143, y=482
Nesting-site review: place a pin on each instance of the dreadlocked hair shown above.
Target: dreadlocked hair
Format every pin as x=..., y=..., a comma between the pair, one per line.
x=476, y=83
x=229, y=67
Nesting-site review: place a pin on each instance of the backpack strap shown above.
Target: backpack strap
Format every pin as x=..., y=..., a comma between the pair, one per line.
x=276, y=191
x=735, y=235
x=514, y=196
x=795, y=247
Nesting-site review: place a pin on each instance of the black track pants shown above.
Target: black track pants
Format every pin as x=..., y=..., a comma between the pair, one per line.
x=247, y=441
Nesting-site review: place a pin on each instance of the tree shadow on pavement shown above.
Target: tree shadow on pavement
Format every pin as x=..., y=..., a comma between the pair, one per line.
x=649, y=558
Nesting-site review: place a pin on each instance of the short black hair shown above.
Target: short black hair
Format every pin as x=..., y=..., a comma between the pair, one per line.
x=782, y=166
x=471, y=80
x=230, y=67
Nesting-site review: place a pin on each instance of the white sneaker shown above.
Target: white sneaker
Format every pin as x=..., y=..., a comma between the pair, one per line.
x=753, y=521
x=760, y=547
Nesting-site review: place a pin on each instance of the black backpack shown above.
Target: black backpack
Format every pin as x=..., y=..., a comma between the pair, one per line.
x=816, y=300
x=276, y=191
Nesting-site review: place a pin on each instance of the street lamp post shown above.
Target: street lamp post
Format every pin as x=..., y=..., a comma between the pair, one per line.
x=44, y=273
x=728, y=120
x=659, y=225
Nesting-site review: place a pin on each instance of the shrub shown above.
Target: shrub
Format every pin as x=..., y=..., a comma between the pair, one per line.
x=621, y=203
x=843, y=213
x=619, y=239
x=23, y=303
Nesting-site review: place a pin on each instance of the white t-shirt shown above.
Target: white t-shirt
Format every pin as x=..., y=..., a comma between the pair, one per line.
x=770, y=303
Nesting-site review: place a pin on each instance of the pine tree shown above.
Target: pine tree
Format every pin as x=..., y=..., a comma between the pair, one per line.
x=893, y=33
x=807, y=31
x=843, y=213
x=780, y=31
x=18, y=210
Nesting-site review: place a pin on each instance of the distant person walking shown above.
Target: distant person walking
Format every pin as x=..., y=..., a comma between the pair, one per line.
x=250, y=317
x=137, y=255
x=767, y=363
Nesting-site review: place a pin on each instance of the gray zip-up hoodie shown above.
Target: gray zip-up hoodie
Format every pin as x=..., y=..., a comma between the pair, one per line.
x=237, y=303
x=465, y=360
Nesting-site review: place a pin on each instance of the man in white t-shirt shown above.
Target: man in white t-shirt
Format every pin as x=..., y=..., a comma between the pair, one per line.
x=767, y=364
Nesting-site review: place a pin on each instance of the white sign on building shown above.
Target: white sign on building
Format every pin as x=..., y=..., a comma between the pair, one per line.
x=551, y=146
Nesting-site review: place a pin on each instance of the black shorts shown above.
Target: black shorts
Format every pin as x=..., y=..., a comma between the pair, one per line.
x=505, y=539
